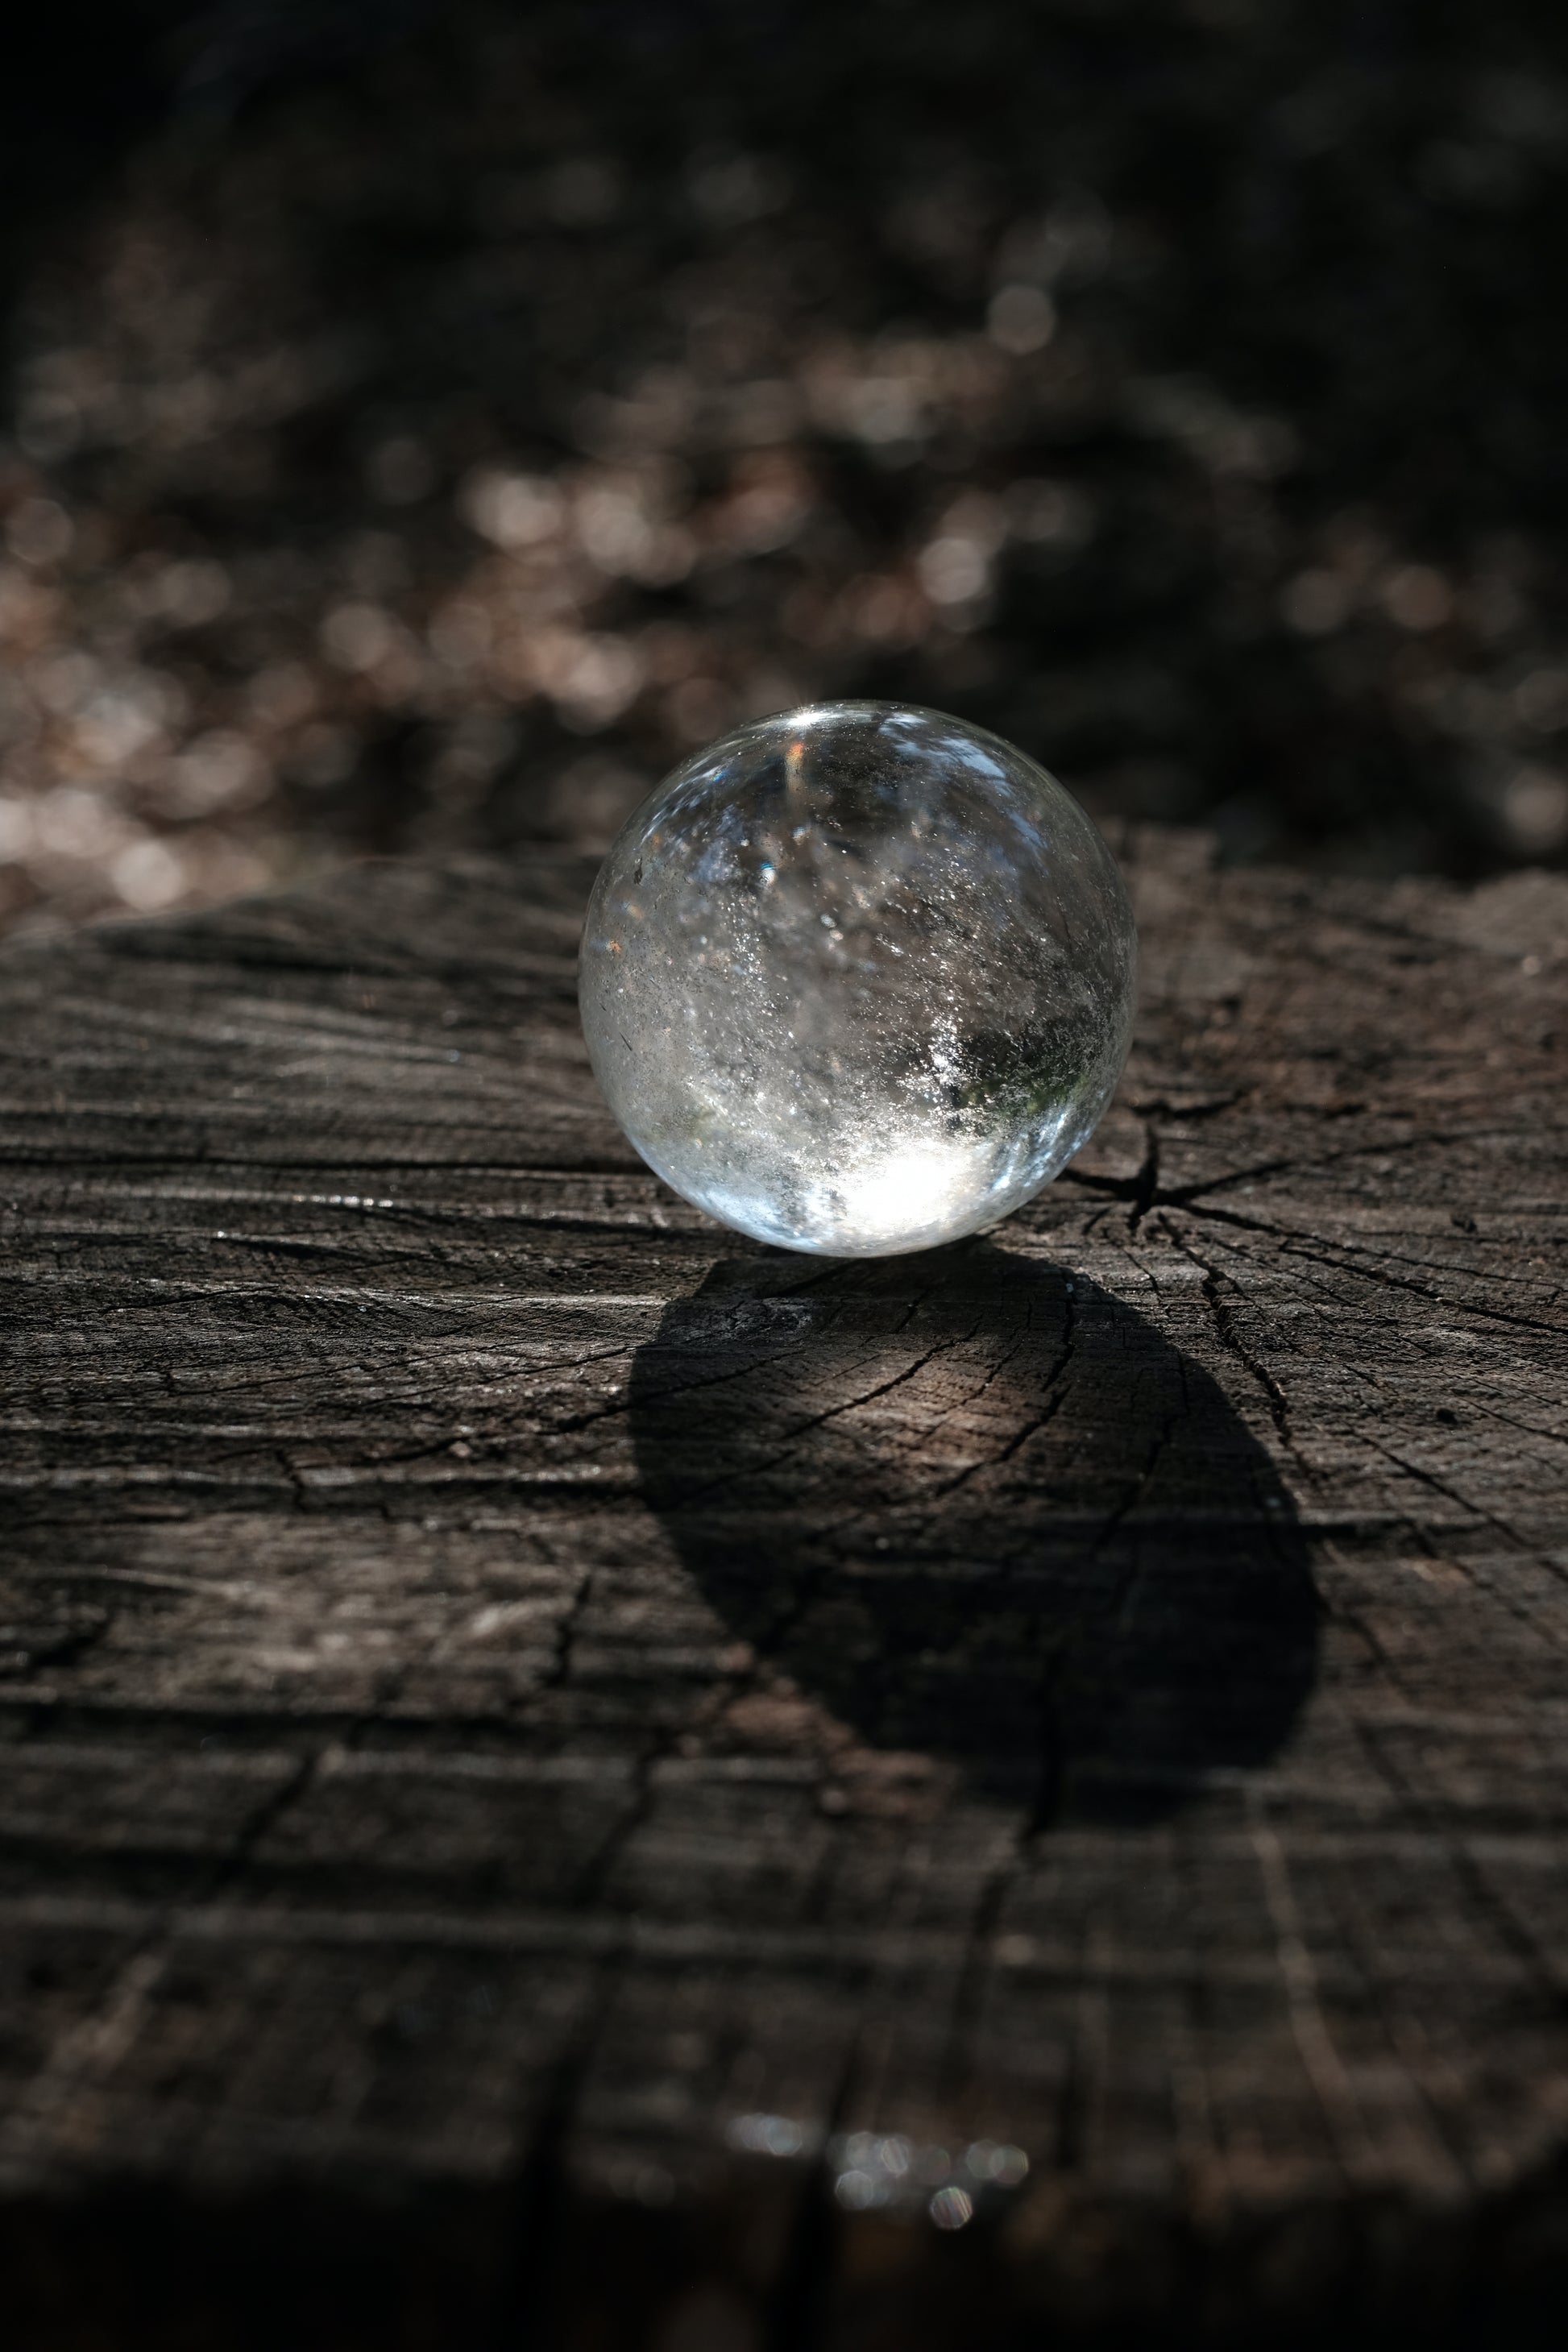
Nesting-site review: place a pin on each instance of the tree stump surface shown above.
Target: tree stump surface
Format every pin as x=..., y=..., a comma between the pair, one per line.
x=571, y=1780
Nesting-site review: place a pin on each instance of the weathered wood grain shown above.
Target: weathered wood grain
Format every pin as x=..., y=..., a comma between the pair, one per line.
x=565, y=1776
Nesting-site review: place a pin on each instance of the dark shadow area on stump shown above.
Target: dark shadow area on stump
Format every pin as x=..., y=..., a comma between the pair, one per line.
x=980, y=1509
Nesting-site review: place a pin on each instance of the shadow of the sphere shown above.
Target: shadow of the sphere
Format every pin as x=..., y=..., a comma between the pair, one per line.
x=980, y=1510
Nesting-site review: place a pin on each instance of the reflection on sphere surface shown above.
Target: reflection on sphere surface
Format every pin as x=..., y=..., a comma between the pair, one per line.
x=859, y=979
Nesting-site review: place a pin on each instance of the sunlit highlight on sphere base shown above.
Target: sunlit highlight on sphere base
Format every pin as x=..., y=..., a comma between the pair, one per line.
x=859, y=979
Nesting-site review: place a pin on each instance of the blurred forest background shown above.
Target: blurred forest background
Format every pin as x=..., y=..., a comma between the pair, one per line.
x=424, y=422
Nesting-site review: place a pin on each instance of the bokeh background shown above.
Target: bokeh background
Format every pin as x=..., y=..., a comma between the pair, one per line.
x=423, y=424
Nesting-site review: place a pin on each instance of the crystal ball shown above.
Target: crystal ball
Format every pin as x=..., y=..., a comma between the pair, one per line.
x=859, y=978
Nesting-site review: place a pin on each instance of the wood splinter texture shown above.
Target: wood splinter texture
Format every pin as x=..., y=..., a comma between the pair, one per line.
x=574, y=1781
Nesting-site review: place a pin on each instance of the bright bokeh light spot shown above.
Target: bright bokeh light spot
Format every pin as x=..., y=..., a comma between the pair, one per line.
x=950, y=2208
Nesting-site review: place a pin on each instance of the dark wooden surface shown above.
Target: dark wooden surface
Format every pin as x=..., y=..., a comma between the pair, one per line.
x=565, y=1776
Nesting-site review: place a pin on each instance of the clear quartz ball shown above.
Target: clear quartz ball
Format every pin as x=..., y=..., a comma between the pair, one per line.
x=859, y=979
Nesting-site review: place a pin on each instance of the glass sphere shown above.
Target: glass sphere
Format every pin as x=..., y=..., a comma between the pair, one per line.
x=859, y=978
